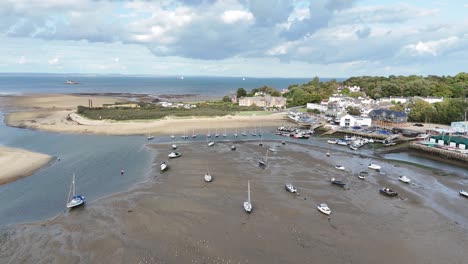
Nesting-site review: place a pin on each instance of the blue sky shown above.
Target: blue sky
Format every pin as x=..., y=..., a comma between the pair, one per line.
x=277, y=38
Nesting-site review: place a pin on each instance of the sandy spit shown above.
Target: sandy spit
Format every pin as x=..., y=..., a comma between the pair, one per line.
x=18, y=163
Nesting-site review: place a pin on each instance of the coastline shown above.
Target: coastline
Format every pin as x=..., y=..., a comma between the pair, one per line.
x=19, y=163
x=175, y=217
x=56, y=113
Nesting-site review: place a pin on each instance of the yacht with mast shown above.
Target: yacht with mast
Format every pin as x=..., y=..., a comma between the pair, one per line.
x=73, y=199
x=248, y=204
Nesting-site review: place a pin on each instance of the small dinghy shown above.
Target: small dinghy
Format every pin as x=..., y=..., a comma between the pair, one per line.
x=283, y=142
x=339, y=167
x=173, y=137
x=374, y=166
x=328, y=154
x=150, y=138
x=173, y=155
x=388, y=192
x=290, y=188
x=404, y=179
x=211, y=144
x=244, y=134
x=233, y=147
x=174, y=146
x=337, y=182
x=332, y=141
x=323, y=208
x=463, y=193
x=362, y=175
x=164, y=166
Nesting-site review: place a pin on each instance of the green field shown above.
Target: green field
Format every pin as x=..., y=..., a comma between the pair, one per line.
x=150, y=111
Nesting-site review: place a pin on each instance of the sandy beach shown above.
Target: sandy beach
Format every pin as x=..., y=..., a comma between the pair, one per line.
x=18, y=163
x=175, y=217
x=56, y=113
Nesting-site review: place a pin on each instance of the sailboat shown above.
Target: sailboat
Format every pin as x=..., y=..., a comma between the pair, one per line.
x=150, y=137
x=185, y=135
x=247, y=204
x=74, y=200
x=225, y=135
x=255, y=132
x=193, y=133
x=235, y=134
x=244, y=133
x=208, y=177
x=263, y=162
x=211, y=143
x=164, y=166
x=172, y=135
x=216, y=135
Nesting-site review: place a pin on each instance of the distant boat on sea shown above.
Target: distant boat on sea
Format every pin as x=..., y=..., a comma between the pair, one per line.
x=71, y=82
x=181, y=77
x=74, y=200
x=243, y=78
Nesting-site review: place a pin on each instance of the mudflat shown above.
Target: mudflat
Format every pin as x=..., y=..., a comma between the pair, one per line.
x=176, y=217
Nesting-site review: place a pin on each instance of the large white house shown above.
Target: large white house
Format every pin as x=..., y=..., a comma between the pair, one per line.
x=350, y=121
x=320, y=107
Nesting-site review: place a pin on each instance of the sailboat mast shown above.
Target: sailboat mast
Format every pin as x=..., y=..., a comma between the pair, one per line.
x=248, y=191
x=73, y=184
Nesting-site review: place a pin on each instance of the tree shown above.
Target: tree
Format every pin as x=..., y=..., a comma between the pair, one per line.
x=226, y=99
x=241, y=92
x=353, y=110
x=421, y=111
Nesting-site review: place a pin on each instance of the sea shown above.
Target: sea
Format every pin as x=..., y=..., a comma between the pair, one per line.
x=215, y=86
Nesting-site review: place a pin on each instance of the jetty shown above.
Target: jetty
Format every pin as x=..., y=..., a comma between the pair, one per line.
x=444, y=153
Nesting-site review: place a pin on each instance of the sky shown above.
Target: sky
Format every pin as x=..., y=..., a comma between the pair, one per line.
x=257, y=38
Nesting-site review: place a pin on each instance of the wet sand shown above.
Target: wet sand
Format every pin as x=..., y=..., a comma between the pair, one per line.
x=175, y=217
x=18, y=163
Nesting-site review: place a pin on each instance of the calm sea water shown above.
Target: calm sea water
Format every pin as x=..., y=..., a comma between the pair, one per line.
x=216, y=86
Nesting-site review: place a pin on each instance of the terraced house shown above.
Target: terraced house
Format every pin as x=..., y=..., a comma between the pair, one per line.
x=389, y=116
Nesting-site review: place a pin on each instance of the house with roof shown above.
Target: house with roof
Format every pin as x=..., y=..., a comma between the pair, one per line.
x=351, y=121
x=266, y=101
x=390, y=116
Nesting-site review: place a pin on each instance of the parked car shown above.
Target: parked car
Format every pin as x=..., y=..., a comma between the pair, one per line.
x=418, y=125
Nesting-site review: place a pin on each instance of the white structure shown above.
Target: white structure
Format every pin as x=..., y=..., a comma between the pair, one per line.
x=431, y=100
x=320, y=107
x=350, y=121
x=461, y=127
x=401, y=100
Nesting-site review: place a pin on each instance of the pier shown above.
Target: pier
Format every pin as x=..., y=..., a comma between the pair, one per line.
x=448, y=154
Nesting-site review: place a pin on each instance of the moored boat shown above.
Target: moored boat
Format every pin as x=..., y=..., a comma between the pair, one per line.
x=174, y=146
x=208, y=177
x=247, y=204
x=73, y=199
x=164, y=166
x=339, y=167
x=233, y=147
x=332, y=141
x=374, y=166
x=211, y=143
x=337, y=182
x=388, y=192
x=404, y=179
x=362, y=175
x=463, y=193
x=290, y=188
x=323, y=208
x=174, y=155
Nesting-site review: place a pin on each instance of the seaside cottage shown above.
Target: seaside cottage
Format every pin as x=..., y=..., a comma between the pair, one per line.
x=351, y=121
x=266, y=101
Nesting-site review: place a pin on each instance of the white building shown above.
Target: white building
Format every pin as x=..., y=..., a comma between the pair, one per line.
x=350, y=121
x=320, y=107
x=431, y=100
x=401, y=100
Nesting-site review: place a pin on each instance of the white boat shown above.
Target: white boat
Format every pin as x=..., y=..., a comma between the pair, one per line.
x=164, y=166
x=339, y=167
x=248, y=204
x=208, y=177
x=150, y=137
x=362, y=175
x=73, y=199
x=463, y=193
x=404, y=179
x=374, y=166
x=211, y=143
x=224, y=134
x=332, y=141
x=172, y=136
x=290, y=188
x=328, y=154
x=233, y=147
x=272, y=149
x=174, y=155
x=323, y=208
x=71, y=82
x=174, y=146
x=262, y=162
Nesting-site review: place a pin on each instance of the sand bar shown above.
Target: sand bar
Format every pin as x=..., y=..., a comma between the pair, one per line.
x=18, y=163
x=56, y=113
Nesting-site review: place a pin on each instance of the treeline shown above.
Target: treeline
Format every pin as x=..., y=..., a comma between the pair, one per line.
x=450, y=110
x=439, y=86
x=311, y=92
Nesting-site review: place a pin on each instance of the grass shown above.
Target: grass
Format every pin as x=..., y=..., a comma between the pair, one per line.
x=148, y=111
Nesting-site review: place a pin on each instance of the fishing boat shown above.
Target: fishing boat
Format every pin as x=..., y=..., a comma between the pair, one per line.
x=374, y=166
x=73, y=199
x=337, y=182
x=248, y=204
x=362, y=175
x=388, y=192
x=404, y=179
x=233, y=147
x=173, y=155
x=339, y=167
x=323, y=208
x=174, y=146
x=290, y=188
x=463, y=193
x=164, y=166
x=208, y=177
x=332, y=141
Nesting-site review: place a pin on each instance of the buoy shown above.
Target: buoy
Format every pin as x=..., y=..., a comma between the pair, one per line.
x=121, y=172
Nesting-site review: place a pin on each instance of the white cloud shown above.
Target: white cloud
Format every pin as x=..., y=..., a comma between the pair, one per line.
x=235, y=16
x=117, y=59
x=22, y=60
x=54, y=61
x=433, y=47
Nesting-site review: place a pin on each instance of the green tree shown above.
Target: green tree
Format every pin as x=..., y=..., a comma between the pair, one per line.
x=421, y=111
x=241, y=92
x=353, y=110
x=226, y=99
